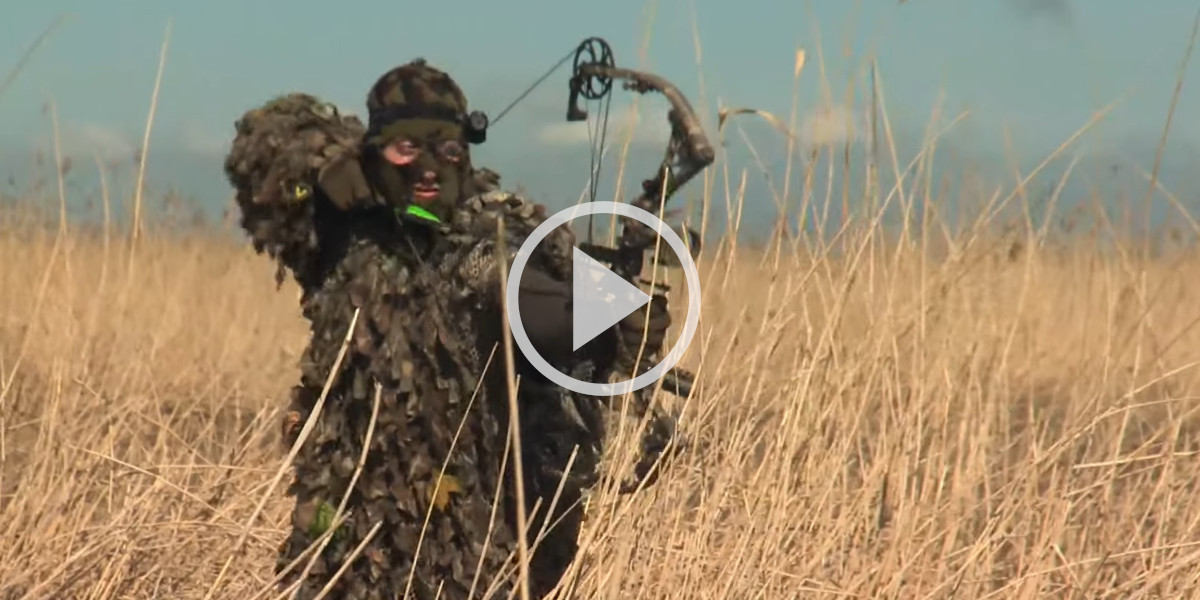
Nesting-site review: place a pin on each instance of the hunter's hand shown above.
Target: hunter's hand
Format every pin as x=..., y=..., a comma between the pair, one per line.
x=344, y=184
x=635, y=325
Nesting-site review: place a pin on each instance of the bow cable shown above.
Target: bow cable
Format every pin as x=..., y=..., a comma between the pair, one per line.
x=597, y=159
x=530, y=89
x=597, y=150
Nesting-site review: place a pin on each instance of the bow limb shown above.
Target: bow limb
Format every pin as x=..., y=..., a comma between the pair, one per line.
x=689, y=151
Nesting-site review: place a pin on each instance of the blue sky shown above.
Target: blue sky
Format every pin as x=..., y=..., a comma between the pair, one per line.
x=1039, y=68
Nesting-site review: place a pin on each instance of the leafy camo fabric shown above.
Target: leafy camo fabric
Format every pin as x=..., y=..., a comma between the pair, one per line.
x=428, y=322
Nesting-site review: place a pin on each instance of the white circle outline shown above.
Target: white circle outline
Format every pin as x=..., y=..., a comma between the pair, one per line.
x=517, y=326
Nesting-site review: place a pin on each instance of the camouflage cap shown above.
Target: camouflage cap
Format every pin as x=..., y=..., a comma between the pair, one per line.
x=412, y=91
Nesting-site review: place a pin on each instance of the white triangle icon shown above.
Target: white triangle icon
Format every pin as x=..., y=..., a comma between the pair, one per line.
x=601, y=298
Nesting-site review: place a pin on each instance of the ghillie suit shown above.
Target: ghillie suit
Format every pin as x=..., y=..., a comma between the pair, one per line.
x=281, y=151
x=429, y=320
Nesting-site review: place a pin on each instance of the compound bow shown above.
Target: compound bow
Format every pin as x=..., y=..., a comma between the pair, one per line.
x=688, y=153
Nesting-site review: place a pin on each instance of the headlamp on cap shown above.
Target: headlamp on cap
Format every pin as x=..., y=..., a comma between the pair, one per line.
x=475, y=127
x=474, y=124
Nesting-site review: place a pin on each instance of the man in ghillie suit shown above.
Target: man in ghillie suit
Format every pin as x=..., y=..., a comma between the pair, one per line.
x=394, y=222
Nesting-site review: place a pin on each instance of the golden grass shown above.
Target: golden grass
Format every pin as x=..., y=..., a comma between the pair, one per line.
x=975, y=423
x=969, y=415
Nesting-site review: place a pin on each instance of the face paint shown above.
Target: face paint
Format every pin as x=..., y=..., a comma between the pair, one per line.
x=424, y=166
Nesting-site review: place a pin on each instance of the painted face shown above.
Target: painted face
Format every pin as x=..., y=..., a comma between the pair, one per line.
x=425, y=165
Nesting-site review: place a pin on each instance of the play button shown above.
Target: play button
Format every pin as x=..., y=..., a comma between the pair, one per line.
x=601, y=298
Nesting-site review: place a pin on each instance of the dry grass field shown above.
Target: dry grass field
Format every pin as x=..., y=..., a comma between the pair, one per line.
x=988, y=416
x=1002, y=412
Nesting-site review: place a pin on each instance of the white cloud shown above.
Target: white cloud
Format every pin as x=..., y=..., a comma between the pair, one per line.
x=835, y=125
x=645, y=129
x=199, y=139
x=83, y=140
